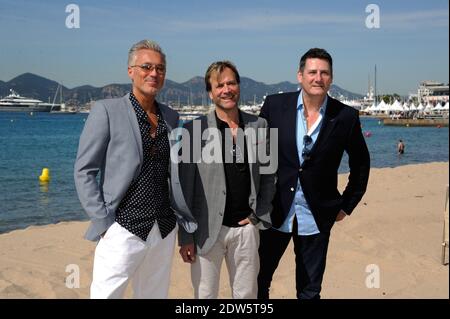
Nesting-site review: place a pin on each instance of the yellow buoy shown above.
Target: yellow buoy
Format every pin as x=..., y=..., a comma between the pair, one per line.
x=45, y=176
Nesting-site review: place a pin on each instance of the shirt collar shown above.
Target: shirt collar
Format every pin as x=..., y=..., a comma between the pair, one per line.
x=140, y=113
x=221, y=124
x=322, y=109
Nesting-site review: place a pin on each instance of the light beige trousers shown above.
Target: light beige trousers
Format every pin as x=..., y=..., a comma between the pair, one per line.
x=239, y=247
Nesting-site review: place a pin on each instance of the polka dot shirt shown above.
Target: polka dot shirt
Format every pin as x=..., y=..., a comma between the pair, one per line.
x=147, y=199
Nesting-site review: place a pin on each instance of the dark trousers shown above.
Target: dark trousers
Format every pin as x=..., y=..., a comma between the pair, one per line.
x=310, y=259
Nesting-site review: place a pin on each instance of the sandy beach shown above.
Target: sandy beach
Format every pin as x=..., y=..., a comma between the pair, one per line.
x=395, y=232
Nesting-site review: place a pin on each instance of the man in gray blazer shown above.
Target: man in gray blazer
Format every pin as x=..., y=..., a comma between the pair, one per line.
x=225, y=190
x=137, y=200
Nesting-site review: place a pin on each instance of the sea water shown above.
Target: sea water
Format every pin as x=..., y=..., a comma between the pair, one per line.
x=29, y=143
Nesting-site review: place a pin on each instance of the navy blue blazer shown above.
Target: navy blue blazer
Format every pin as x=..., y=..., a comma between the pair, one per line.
x=340, y=131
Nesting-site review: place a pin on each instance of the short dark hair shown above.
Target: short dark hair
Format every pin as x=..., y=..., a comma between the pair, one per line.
x=316, y=53
x=218, y=67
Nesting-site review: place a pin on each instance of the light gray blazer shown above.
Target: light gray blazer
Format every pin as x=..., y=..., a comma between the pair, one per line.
x=204, y=188
x=111, y=145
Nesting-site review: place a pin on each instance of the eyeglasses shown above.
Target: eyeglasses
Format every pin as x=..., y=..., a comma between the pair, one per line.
x=306, y=153
x=148, y=67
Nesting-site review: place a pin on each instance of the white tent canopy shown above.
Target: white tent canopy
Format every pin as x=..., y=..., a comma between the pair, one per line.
x=381, y=106
x=396, y=106
x=429, y=107
x=438, y=107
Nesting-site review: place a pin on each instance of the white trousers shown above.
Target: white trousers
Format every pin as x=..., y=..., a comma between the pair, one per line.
x=121, y=256
x=239, y=247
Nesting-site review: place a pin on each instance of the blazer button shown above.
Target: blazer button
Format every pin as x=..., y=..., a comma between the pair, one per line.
x=300, y=170
x=292, y=189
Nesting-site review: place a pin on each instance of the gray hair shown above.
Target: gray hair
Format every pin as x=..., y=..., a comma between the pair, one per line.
x=144, y=44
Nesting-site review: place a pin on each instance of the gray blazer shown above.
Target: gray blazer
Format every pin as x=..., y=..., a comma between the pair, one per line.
x=204, y=188
x=111, y=144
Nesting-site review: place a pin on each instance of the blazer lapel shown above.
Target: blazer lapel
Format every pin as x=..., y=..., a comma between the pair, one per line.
x=215, y=170
x=251, y=147
x=170, y=120
x=212, y=123
x=290, y=118
x=211, y=116
x=328, y=124
x=134, y=126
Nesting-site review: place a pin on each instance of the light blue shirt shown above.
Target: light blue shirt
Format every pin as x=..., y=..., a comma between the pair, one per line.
x=299, y=208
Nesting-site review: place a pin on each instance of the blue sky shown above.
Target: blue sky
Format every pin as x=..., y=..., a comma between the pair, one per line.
x=265, y=39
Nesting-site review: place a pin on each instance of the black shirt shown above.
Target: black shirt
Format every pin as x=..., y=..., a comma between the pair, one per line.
x=147, y=198
x=237, y=175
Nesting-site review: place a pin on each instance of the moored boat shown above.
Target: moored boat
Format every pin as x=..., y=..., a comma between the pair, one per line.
x=16, y=103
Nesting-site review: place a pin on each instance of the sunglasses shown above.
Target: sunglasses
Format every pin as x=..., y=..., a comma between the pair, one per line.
x=148, y=67
x=307, y=142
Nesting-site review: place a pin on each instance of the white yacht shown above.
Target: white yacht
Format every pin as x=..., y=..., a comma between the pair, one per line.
x=16, y=103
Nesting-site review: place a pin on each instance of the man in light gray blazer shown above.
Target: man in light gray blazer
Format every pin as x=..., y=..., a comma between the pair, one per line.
x=225, y=190
x=136, y=202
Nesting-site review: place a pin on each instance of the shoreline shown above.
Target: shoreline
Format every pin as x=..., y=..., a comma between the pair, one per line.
x=416, y=122
x=397, y=227
x=84, y=219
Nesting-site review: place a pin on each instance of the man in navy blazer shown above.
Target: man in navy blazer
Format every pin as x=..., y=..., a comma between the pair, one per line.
x=314, y=130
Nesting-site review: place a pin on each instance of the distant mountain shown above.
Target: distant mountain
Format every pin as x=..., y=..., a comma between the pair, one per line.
x=186, y=93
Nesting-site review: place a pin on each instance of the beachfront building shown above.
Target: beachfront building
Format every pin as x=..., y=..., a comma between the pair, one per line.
x=432, y=92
